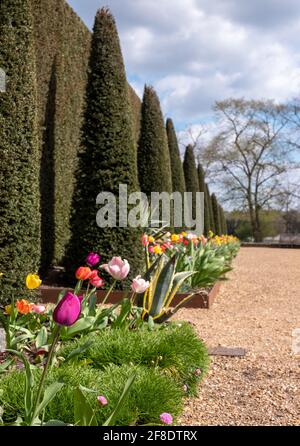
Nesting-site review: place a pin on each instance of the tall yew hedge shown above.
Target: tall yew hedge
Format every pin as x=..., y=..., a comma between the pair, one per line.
x=153, y=153
x=202, y=188
x=178, y=181
x=223, y=220
x=210, y=210
x=216, y=214
x=108, y=155
x=191, y=176
x=19, y=149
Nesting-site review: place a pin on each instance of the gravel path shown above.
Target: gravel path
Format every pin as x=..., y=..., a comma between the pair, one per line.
x=257, y=309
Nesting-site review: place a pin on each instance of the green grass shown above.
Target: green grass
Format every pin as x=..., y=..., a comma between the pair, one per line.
x=151, y=394
x=175, y=349
x=164, y=359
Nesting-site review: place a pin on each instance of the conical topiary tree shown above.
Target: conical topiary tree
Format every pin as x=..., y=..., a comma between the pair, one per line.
x=19, y=153
x=210, y=210
x=216, y=214
x=153, y=154
x=178, y=181
x=191, y=176
x=223, y=220
x=108, y=155
x=203, y=188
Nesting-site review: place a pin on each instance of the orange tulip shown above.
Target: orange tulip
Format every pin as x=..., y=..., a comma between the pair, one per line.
x=83, y=273
x=23, y=306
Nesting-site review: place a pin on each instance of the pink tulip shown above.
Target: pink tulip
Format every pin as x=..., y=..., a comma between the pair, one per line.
x=68, y=310
x=39, y=309
x=117, y=268
x=139, y=285
x=145, y=240
x=102, y=400
x=97, y=281
x=166, y=418
x=94, y=274
x=93, y=259
x=203, y=240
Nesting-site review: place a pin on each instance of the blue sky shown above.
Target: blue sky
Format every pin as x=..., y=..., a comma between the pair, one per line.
x=195, y=52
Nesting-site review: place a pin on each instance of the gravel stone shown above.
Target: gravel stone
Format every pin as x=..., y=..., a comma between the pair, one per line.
x=257, y=309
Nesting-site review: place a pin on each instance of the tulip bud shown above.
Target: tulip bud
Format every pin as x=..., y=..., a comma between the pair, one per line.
x=39, y=309
x=83, y=273
x=166, y=418
x=139, y=285
x=23, y=306
x=117, y=268
x=145, y=240
x=97, y=281
x=68, y=310
x=102, y=400
x=33, y=281
x=93, y=259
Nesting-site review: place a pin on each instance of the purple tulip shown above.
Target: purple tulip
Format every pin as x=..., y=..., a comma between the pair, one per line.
x=93, y=259
x=166, y=418
x=67, y=310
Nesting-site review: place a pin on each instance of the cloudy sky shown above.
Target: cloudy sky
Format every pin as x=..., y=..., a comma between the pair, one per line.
x=195, y=52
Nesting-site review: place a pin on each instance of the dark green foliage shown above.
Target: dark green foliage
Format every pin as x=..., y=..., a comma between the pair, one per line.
x=175, y=349
x=151, y=394
x=210, y=210
x=153, y=154
x=108, y=155
x=191, y=176
x=216, y=214
x=203, y=188
x=223, y=220
x=62, y=46
x=19, y=152
x=178, y=181
x=136, y=108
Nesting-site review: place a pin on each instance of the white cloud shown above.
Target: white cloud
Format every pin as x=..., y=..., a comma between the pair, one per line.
x=198, y=51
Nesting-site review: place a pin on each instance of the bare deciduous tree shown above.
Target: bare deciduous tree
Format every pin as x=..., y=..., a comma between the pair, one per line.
x=250, y=154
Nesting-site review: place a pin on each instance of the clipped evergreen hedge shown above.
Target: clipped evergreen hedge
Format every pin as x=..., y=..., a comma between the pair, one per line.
x=210, y=210
x=178, y=181
x=191, y=176
x=203, y=188
x=216, y=214
x=19, y=149
x=62, y=46
x=107, y=157
x=154, y=166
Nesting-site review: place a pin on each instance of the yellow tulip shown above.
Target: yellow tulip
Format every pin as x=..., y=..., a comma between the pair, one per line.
x=33, y=281
x=157, y=250
x=175, y=237
x=8, y=309
x=151, y=239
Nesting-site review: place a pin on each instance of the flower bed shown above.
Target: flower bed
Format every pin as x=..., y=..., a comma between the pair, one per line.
x=203, y=298
x=76, y=362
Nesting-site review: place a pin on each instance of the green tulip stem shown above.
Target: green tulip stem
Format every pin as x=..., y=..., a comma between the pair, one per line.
x=56, y=334
x=107, y=295
x=133, y=298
